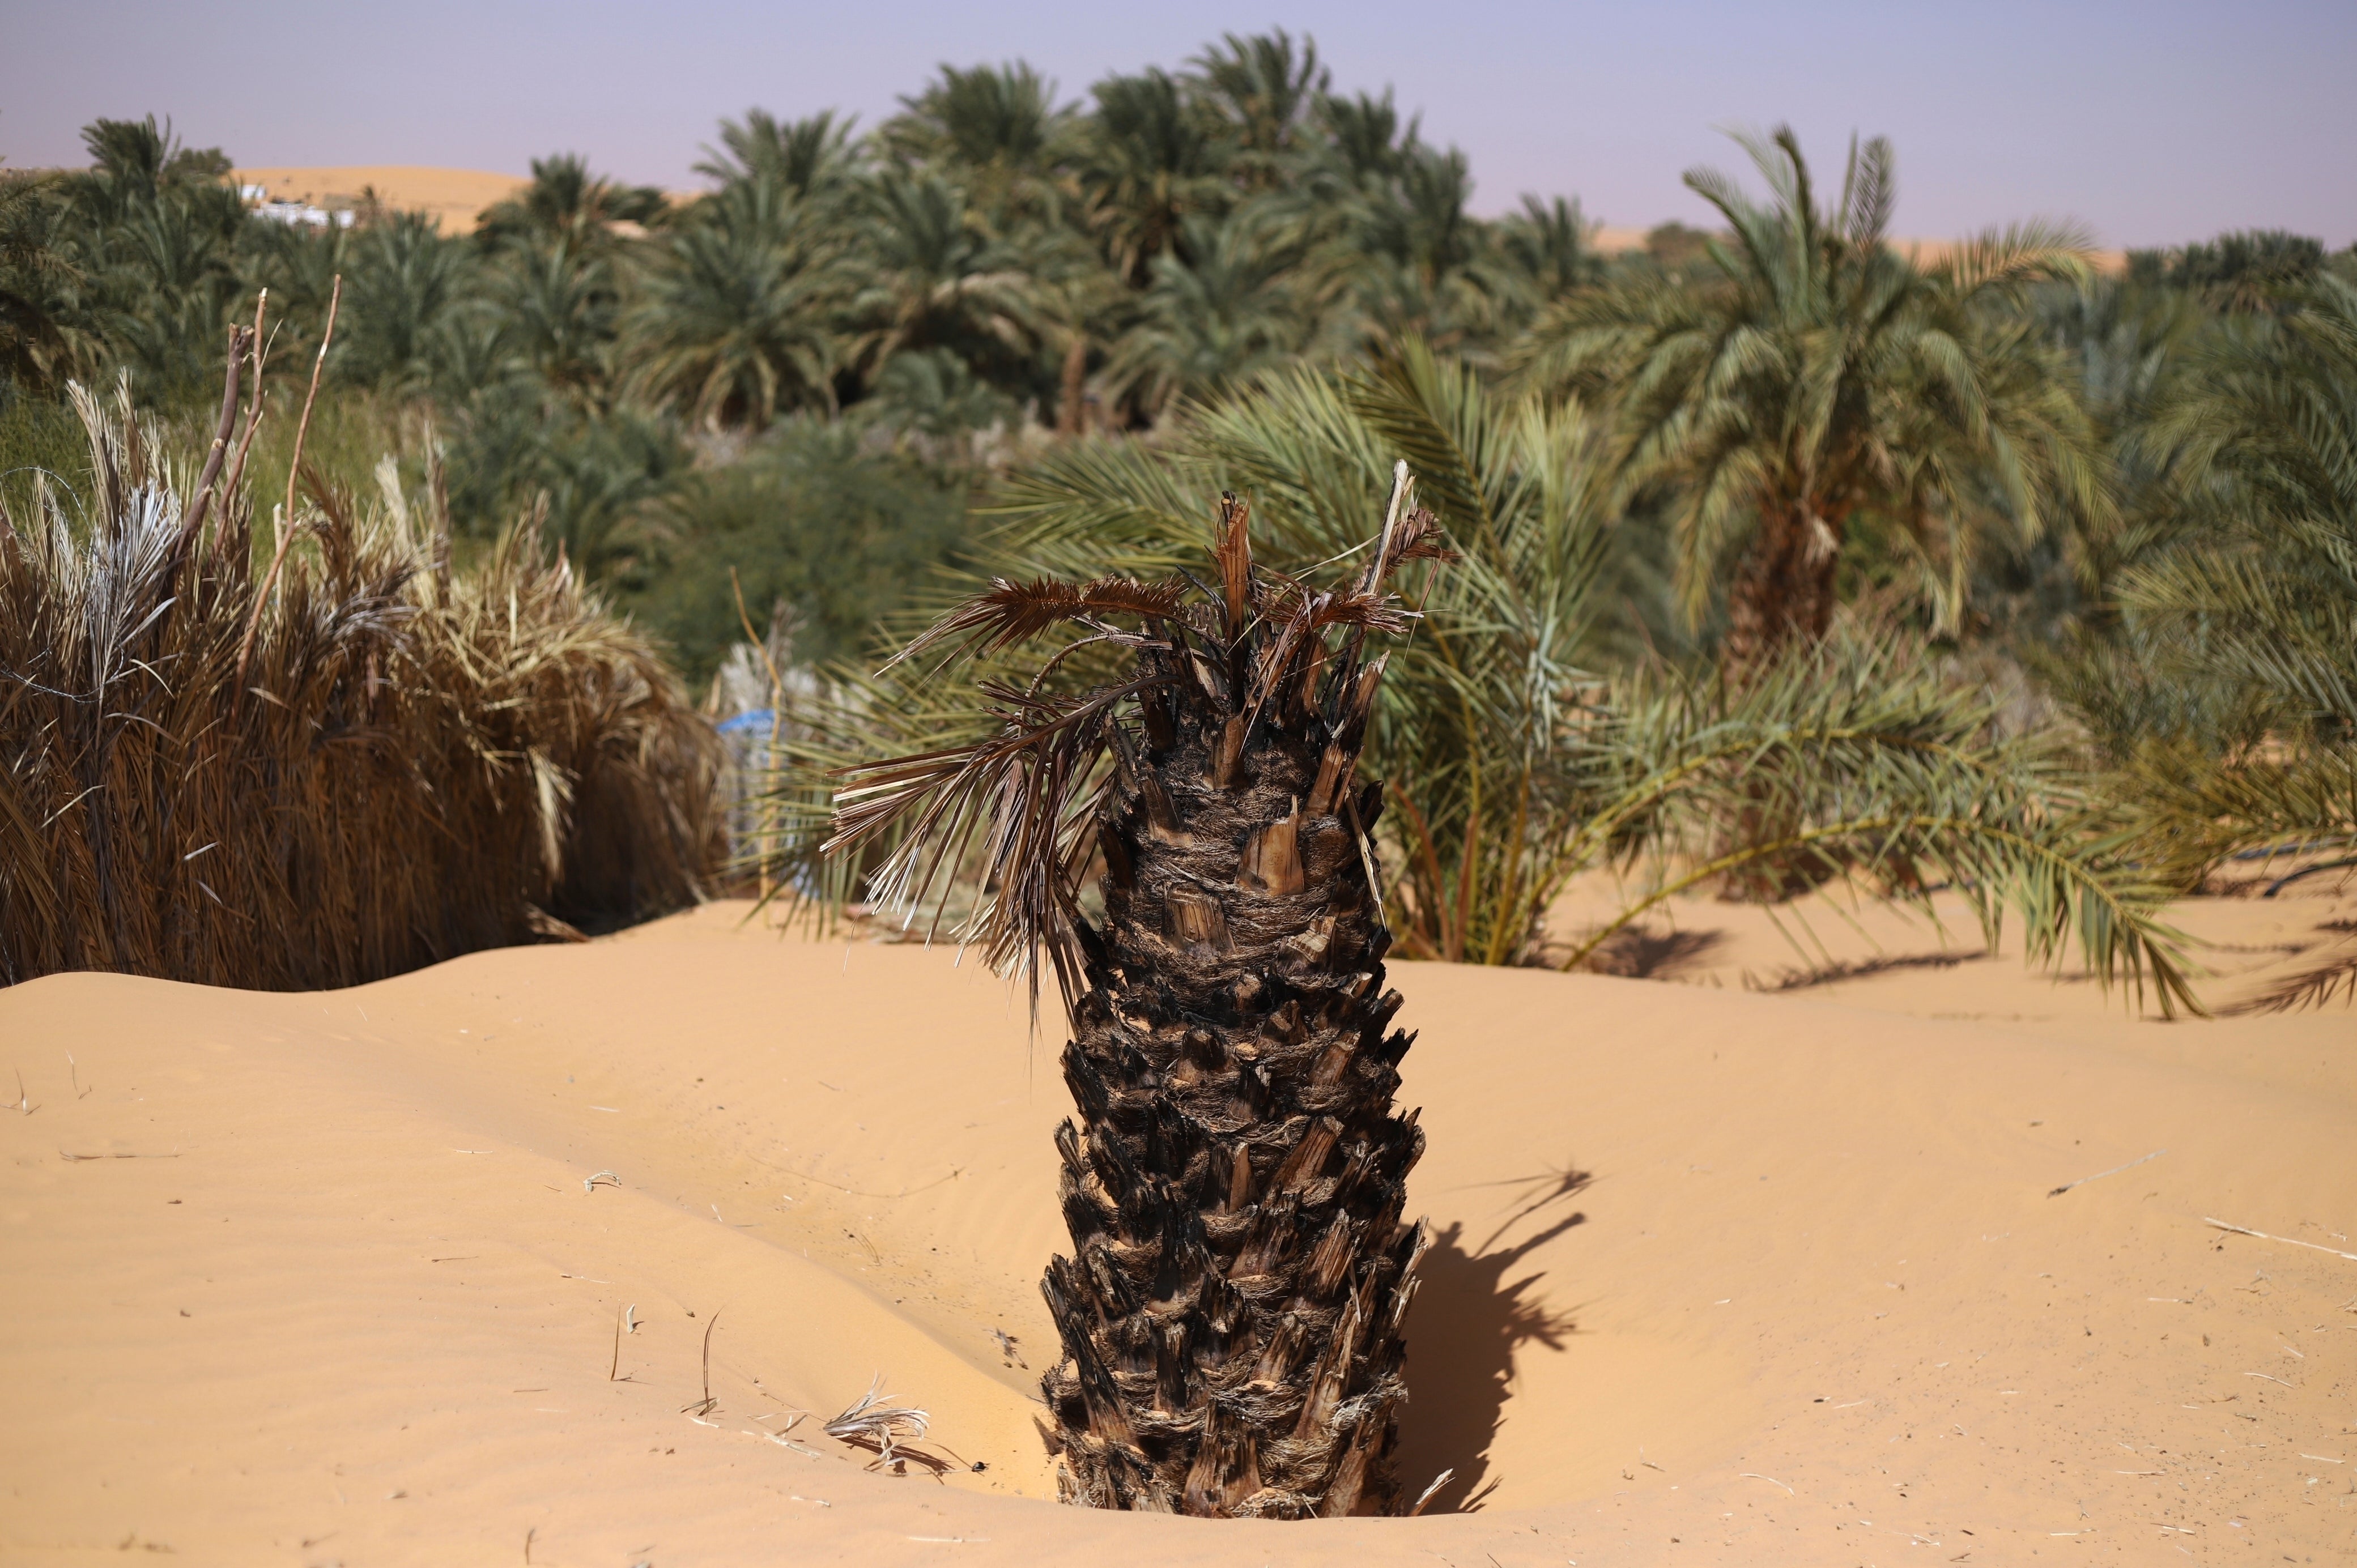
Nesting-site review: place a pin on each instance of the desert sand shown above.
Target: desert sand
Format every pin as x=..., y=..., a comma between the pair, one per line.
x=452, y=197
x=1725, y=1275
x=1612, y=240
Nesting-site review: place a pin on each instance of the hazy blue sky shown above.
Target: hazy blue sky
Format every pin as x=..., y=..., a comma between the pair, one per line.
x=2152, y=123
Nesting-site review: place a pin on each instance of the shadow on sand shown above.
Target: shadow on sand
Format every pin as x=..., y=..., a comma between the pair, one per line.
x=1468, y=1323
x=1638, y=952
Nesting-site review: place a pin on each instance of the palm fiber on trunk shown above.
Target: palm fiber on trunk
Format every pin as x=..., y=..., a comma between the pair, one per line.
x=1232, y=1312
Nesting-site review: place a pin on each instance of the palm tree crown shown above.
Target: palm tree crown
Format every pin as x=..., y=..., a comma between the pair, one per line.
x=1822, y=382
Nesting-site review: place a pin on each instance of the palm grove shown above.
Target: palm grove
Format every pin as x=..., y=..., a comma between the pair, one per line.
x=1007, y=334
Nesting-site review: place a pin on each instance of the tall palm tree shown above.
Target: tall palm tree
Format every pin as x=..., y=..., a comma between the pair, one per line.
x=37, y=329
x=2258, y=608
x=1265, y=88
x=406, y=288
x=566, y=202
x=981, y=119
x=1408, y=256
x=2245, y=271
x=1822, y=382
x=1153, y=157
x=1362, y=136
x=149, y=237
x=2128, y=345
x=934, y=276
x=558, y=310
x=1222, y=307
x=805, y=158
x=1231, y=1315
x=1548, y=251
x=735, y=319
x=2264, y=429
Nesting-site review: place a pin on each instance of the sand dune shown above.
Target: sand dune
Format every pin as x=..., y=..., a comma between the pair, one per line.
x=1722, y=1276
x=454, y=198
x=1614, y=238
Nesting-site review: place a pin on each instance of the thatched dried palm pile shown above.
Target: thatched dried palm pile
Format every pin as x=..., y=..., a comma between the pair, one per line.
x=365, y=764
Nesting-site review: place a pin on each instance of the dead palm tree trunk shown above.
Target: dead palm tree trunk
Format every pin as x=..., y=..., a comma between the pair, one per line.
x=1231, y=1313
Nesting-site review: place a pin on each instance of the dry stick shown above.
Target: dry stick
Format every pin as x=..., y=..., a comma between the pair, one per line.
x=254, y=410
x=704, y=1407
x=193, y=517
x=617, y=1351
x=294, y=471
x=2287, y=1240
x=2101, y=1175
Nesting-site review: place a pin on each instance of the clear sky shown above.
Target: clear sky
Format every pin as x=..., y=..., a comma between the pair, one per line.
x=2153, y=122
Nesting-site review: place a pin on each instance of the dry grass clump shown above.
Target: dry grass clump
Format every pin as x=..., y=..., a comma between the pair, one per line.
x=368, y=764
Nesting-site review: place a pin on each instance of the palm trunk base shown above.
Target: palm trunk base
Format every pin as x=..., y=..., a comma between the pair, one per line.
x=1231, y=1315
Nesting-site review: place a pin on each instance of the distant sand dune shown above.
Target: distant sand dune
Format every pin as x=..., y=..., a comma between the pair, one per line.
x=1613, y=240
x=455, y=197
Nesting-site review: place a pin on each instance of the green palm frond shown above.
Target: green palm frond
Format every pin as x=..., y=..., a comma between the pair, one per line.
x=1853, y=757
x=1822, y=384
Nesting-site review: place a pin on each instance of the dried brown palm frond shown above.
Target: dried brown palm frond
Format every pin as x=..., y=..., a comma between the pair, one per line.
x=1030, y=784
x=1029, y=788
x=1009, y=613
x=874, y=1420
x=418, y=761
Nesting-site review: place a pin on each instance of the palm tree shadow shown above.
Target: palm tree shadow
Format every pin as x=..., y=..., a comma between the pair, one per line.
x=1468, y=1323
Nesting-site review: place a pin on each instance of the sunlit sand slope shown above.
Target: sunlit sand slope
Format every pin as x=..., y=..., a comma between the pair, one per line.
x=425, y=1272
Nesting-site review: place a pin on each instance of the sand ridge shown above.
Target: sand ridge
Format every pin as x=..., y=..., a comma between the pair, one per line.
x=452, y=197
x=1721, y=1276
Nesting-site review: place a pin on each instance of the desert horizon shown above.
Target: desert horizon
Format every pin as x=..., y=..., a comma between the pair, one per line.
x=456, y=198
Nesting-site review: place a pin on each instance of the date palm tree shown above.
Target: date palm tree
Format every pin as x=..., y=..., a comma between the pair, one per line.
x=1000, y=122
x=557, y=309
x=1154, y=157
x=1548, y=252
x=1510, y=766
x=734, y=322
x=2258, y=610
x=566, y=203
x=36, y=331
x=1265, y=88
x=1822, y=382
x=1216, y=315
x=812, y=156
x=932, y=277
x=1232, y=1312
